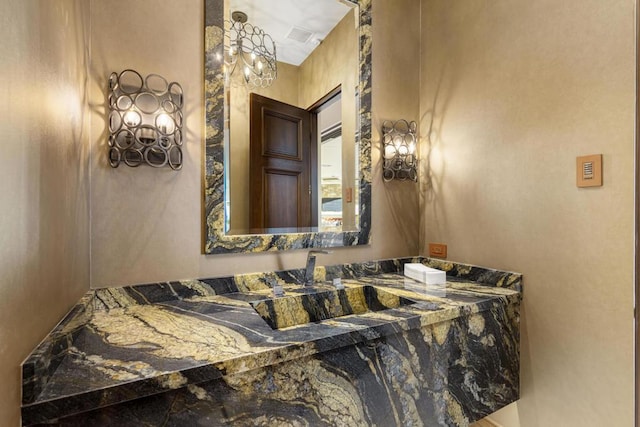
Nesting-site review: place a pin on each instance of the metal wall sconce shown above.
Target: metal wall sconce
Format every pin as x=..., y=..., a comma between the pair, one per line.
x=399, y=147
x=145, y=120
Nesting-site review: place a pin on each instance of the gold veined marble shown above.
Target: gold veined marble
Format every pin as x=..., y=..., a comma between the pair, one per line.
x=118, y=370
x=441, y=332
x=173, y=380
x=213, y=37
x=112, y=297
x=401, y=377
x=190, y=349
x=319, y=274
x=357, y=301
x=170, y=335
x=476, y=324
x=198, y=392
x=221, y=299
x=455, y=411
x=254, y=282
x=331, y=396
x=325, y=304
x=198, y=286
x=287, y=312
x=488, y=340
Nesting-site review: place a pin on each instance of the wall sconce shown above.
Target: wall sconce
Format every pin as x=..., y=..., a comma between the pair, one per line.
x=399, y=146
x=145, y=120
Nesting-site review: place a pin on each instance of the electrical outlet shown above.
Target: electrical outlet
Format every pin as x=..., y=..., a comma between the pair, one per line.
x=437, y=250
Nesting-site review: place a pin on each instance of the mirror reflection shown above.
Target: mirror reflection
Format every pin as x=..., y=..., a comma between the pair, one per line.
x=291, y=153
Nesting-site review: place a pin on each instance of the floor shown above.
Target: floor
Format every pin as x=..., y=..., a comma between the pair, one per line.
x=483, y=423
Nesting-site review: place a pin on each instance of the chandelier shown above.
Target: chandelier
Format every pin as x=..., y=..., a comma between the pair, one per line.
x=251, y=50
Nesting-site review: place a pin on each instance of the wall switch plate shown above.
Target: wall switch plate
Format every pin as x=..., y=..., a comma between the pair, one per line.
x=437, y=250
x=589, y=171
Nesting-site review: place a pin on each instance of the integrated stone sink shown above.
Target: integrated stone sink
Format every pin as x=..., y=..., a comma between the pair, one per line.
x=132, y=355
x=305, y=308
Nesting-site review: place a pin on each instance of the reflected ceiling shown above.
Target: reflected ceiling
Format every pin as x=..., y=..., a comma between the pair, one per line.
x=295, y=38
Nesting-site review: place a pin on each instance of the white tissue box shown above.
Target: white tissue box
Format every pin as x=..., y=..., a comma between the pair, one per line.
x=439, y=291
x=424, y=274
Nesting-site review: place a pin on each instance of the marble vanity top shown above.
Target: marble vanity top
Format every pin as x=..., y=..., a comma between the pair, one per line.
x=118, y=344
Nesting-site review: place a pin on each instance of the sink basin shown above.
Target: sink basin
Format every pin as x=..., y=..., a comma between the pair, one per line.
x=312, y=307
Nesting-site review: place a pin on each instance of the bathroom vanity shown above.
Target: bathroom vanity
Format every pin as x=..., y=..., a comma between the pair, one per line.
x=385, y=350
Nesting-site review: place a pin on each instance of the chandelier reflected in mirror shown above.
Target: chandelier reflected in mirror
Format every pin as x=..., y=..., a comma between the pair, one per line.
x=250, y=51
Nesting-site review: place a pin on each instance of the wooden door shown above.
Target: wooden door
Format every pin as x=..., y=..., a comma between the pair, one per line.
x=283, y=165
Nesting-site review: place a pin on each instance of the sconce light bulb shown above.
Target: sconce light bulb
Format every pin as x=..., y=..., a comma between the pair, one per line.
x=403, y=150
x=163, y=122
x=247, y=73
x=131, y=118
x=253, y=58
x=389, y=151
x=232, y=51
x=412, y=148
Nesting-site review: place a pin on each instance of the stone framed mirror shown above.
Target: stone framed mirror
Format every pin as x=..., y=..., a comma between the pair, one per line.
x=226, y=227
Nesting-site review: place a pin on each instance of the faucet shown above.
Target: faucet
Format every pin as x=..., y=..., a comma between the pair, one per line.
x=311, y=265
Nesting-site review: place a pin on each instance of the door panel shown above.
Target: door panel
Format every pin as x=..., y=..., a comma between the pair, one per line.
x=281, y=135
x=280, y=212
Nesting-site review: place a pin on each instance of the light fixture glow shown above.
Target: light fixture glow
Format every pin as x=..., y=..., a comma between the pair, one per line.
x=253, y=49
x=145, y=120
x=132, y=118
x=399, y=145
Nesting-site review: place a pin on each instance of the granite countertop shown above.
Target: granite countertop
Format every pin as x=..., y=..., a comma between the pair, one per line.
x=119, y=344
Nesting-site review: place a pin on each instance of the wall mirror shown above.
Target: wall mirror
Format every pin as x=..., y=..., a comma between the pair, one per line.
x=287, y=161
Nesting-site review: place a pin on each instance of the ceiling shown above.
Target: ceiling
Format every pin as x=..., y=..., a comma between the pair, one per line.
x=279, y=17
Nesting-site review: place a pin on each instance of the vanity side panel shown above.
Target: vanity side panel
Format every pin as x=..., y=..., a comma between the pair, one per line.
x=484, y=364
x=45, y=359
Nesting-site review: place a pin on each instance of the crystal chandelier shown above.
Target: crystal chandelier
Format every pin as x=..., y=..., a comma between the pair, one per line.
x=251, y=50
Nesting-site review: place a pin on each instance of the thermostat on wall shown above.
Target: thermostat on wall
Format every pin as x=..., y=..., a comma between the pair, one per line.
x=589, y=171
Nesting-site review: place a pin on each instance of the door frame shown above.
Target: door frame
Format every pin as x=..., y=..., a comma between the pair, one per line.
x=314, y=109
x=636, y=279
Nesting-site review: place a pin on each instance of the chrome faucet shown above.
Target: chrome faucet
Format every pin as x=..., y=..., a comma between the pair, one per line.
x=311, y=265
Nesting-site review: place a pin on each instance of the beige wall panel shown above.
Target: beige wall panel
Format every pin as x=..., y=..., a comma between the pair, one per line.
x=512, y=92
x=146, y=223
x=338, y=53
x=44, y=194
x=334, y=62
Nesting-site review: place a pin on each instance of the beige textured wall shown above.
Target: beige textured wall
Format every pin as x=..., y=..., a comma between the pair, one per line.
x=512, y=91
x=146, y=223
x=338, y=52
x=44, y=255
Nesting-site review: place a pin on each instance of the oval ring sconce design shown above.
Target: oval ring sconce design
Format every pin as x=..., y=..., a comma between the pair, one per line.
x=399, y=147
x=145, y=120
